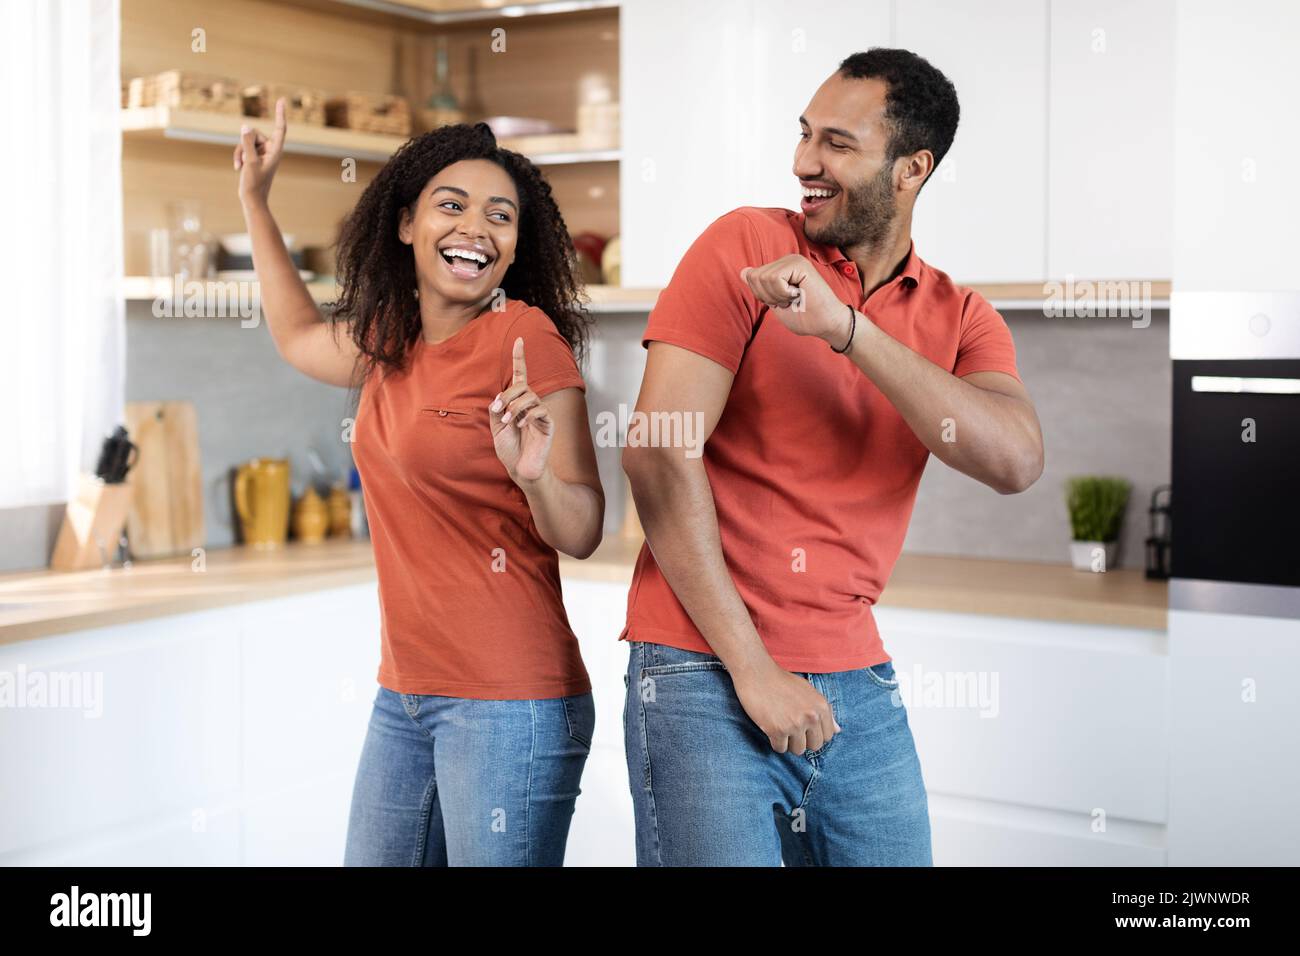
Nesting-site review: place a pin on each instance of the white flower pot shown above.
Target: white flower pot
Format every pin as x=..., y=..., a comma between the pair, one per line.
x=1094, y=555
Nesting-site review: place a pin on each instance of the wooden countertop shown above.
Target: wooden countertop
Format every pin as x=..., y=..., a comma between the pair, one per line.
x=1024, y=589
x=43, y=603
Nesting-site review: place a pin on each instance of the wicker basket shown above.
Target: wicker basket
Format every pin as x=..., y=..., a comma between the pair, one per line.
x=302, y=104
x=370, y=112
x=182, y=90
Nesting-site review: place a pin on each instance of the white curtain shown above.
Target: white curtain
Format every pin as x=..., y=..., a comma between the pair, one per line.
x=62, y=357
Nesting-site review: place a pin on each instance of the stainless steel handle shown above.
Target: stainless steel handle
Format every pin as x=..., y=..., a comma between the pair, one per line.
x=1245, y=386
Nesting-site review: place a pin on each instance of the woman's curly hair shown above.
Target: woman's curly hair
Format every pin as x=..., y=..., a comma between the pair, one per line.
x=376, y=270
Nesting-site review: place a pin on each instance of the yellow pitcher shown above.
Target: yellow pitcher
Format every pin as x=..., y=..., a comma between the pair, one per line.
x=262, y=501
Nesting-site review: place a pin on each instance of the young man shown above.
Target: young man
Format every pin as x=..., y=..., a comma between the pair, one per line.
x=827, y=362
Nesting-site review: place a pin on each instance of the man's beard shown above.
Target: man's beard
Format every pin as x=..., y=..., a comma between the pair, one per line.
x=869, y=212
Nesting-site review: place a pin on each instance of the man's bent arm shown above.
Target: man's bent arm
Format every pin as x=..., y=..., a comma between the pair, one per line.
x=982, y=424
x=676, y=507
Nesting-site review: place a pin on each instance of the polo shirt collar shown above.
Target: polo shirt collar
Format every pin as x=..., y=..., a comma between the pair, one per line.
x=832, y=256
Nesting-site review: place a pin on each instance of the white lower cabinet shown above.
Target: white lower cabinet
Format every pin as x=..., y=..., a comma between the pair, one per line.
x=1235, y=763
x=231, y=737
x=602, y=832
x=1040, y=743
x=222, y=737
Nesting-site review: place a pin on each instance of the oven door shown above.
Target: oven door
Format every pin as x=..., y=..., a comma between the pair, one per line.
x=1236, y=471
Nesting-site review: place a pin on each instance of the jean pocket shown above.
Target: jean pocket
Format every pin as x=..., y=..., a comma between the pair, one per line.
x=580, y=715
x=661, y=660
x=883, y=674
x=682, y=667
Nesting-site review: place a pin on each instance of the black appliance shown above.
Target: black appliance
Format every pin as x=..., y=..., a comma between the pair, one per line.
x=1235, y=468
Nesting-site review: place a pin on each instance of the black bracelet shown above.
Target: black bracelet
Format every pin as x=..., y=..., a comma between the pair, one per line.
x=853, y=319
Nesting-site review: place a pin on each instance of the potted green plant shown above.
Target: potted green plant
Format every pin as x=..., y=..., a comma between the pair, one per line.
x=1096, y=504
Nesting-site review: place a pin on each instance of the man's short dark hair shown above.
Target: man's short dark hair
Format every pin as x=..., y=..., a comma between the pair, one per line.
x=921, y=105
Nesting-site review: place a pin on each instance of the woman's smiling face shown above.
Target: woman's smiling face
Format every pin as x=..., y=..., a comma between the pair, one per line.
x=463, y=229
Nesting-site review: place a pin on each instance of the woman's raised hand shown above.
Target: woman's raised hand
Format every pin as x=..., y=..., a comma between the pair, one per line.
x=257, y=158
x=522, y=427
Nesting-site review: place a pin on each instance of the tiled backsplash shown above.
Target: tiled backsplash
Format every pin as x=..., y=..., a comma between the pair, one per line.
x=1101, y=388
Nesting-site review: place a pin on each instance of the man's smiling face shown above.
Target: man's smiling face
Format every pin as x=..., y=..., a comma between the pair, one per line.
x=841, y=162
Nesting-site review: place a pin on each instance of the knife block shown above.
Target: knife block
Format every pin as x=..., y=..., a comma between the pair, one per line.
x=94, y=520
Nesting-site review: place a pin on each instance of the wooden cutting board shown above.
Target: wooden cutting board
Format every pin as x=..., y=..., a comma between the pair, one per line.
x=166, y=516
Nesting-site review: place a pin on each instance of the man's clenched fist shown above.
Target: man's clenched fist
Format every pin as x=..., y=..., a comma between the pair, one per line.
x=800, y=298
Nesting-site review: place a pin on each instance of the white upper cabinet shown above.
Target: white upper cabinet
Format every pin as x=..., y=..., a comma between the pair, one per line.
x=1062, y=165
x=711, y=97
x=797, y=46
x=1110, y=142
x=688, y=107
x=981, y=217
x=1237, y=213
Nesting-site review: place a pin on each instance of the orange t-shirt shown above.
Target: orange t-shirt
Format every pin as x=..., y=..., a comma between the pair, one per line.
x=469, y=593
x=813, y=471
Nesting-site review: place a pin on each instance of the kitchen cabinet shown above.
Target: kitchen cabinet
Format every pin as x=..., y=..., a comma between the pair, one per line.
x=711, y=100
x=602, y=832
x=1235, y=760
x=1234, y=624
x=1236, y=191
x=184, y=154
x=1062, y=761
x=793, y=55
x=1110, y=145
x=230, y=736
x=1041, y=743
x=221, y=737
x=683, y=165
x=1061, y=165
x=982, y=215
x=980, y=219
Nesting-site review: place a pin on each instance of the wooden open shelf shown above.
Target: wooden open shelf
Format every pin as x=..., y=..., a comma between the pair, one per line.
x=1005, y=296
x=196, y=126
x=380, y=46
x=148, y=288
x=452, y=12
x=602, y=298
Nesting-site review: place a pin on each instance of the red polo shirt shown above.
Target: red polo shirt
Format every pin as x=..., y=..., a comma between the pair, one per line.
x=813, y=471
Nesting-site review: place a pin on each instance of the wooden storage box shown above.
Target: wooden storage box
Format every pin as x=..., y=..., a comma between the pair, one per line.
x=183, y=90
x=302, y=104
x=370, y=112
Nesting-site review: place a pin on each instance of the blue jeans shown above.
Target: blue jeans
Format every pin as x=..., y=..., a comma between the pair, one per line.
x=709, y=790
x=506, y=780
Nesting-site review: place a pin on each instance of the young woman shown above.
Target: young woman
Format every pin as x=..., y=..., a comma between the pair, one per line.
x=458, y=322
